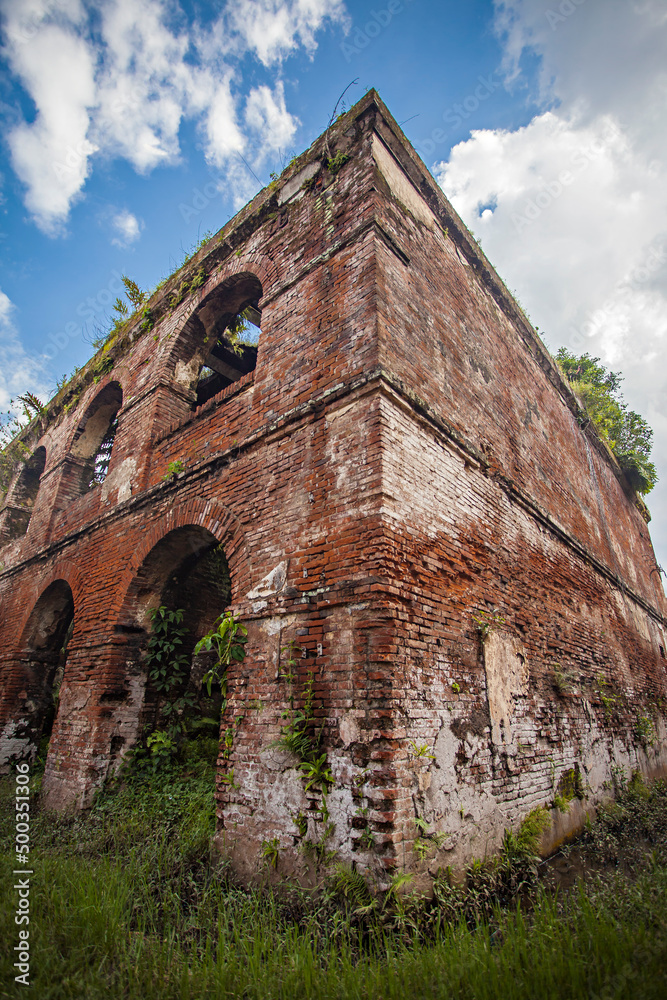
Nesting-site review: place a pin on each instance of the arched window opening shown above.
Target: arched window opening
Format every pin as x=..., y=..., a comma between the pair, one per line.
x=227, y=328
x=102, y=457
x=186, y=571
x=95, y=436
x=45, y=644
x=233, y=355
x=19, y=509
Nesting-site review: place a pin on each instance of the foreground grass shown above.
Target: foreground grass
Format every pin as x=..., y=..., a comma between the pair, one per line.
x=125, y=904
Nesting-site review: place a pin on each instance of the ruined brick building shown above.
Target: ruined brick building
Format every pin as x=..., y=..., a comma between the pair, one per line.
x=398, y=481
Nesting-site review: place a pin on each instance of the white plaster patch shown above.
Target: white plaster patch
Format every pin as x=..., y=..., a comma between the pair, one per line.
x=186, y=372
x=293, y=186
x=506, y=680
x=275, y=759
x=400, y=185
x=348, y=730
x=12, y=745
x=272, y=583
x=120, y=479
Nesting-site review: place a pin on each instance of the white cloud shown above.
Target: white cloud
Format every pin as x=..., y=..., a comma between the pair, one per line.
x=128, y=228
x=118, y=77
x=51, y=155
x=572, y=208
x=273, y=29
x=143, y=86
x=267, y=116
x=19, y=373
x=223, y=135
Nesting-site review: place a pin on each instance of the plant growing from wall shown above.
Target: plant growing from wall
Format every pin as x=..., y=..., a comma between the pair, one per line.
x=297, y=737
x=336, y=163
x=296, y=734
x=427, y=839
x=270, y=851
x=316, y=774
x=168, y=668
x=420, y=751
x=564, y=680
x=227, y=640
x=12, y=449
x=645, y=733
x=173, y=469
x=486, y=621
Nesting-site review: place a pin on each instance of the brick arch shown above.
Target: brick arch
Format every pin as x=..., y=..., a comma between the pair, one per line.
x=255, y=264
x=82, y=415
x=222, y=524
x=61, y=570
x=35, y=665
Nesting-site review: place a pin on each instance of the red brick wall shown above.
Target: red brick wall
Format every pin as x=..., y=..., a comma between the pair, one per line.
x=403, y=457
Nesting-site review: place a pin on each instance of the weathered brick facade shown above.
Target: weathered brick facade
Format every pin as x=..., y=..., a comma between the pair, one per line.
x=403, y=486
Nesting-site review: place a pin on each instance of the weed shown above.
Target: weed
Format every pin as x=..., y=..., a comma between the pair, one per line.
x=296, y=735
x=301, y=823
x=367, y=840
x=644, y=732
x=427, y=840
x=351, y=885
x=420, y=750
x=317, y=773
x=270, y=851
x=486, y=621
x=609, y=703
x=126, y=904
x=336, y=163
x=564, y=680
x=227, y=640
x=173, y=469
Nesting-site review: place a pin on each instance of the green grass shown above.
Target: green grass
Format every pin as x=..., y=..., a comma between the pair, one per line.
x=125, y=904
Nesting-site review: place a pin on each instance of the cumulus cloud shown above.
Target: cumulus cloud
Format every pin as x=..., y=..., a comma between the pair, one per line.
x=223, y=134
x=267, y=116
x=118, y=77
x=572, y=208
x=19, y=372
x=273, y=29
x=127, y=227
x=51, y=155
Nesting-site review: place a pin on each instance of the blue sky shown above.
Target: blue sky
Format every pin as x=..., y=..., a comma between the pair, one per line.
x=133, y=127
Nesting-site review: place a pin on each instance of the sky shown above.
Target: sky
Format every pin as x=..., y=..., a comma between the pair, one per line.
x=131, y=128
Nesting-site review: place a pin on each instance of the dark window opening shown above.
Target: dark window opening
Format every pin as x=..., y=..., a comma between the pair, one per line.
x=233, y=355
x=101, y=459
x=20, y=507
x=45, y=647
x=94, y=441
x=662, y=652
